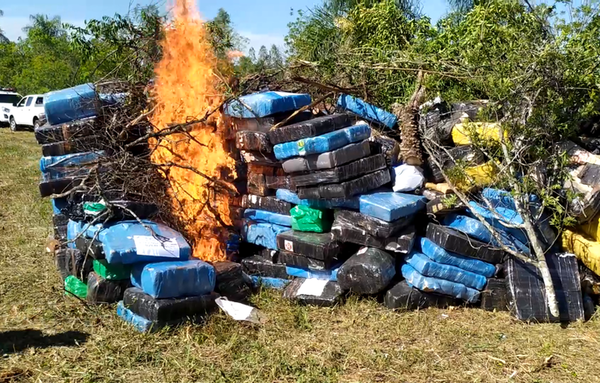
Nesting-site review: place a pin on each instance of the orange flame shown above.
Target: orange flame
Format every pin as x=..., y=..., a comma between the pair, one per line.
x=187, y=89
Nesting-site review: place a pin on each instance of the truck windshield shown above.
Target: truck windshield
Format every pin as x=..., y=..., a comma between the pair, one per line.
x=9, y=98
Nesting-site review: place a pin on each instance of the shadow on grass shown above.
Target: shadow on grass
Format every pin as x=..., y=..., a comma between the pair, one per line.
x=19, y=340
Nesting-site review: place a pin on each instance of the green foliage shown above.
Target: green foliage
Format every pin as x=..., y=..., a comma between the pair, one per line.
x=223, y=37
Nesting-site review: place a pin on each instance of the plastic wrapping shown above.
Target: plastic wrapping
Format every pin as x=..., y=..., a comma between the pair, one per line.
x=58, y=204
x=280, y=182
x=483, y=130
x=265, y=124
x=174, y=279
x=74, y=286
x=275, y=170
x=272, y=204
x=345, y=172
x=586, y=250
x=440, y=255
x=253, y=141
x=369, y=271
x=439, y=286
x=367, y=111
x=457, y=242
x=257, y=185
x=60, y=219
x=142, y=324
x=300, y=261
x=347, y=231
x=320, y=246
x=129, y=242
x=429, y=268
x=73, y=262
x=261, y=267
x=258, y=158
x=269, y=283
x=403, y=242
x=100, y=290
x=60, y=233
x=74, y=230
x=168, y=310
x=373, y=226
x=78, y=145
x=306, y=218
x=494, y=297
x=58, y=186
x=111, y=272
x=403, y=296
x=65, y=132
x=70, y=104
x=298, y=272
x=440, y=206
x=315, y=127
x=265, y=104
x=313, y=292
x=342, y=203
x=230, y=281
x=407, y=178
x=387, y=146
x=262, y=234
x=508, y=216
x=328, y=160
x=390, y=206
x=264, y=216
x=89, y=247
x=324, y=143
x=49, y=163
x=347, y=189
x=527, y=295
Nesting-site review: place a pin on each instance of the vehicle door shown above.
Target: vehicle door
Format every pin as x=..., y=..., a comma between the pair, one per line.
x=18, y=110
x=24, y=113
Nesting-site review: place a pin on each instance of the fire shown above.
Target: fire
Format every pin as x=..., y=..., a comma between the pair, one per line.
x=187, y=88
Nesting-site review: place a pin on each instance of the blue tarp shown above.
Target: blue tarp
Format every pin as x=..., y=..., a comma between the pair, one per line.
x=266, y=104
x=429, y=268
x=367, y=111
x=174, y=279
x=271, y=283
x=329, y=275
x=440, y=255
x=129, y=242
x=323, y=143
x=436, y=285
x=70, y=104
x=390, y=206
x=263, y=216
x=291, y=197
x=262, y=234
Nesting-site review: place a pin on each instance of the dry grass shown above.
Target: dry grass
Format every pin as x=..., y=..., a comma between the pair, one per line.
x=358, y=342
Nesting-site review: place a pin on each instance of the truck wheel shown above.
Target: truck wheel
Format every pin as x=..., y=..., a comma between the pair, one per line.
x=36, y=123
x=13, y=124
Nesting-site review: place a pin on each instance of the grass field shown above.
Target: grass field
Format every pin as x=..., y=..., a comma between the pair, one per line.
x=45, y=336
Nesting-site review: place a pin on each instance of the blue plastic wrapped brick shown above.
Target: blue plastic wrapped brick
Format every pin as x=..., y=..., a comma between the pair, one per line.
x=436, y=285
x=291, y=197
x=440, y=255
x=174, y=279
x=265, y=104
x=508, y=216
x=141, y=324
x=263, y=216
x=70, y=104
x=74, y=229
x=390, y=206
x=58, y=204
x=329, y=275
x=129, y=242
x=323, y=143
x=367, y=111
x=429, y=268
x=262, y=234
x=69, y=160
x=270, y=283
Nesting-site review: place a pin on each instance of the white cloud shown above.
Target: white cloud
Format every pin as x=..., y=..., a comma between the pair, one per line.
x=258, y=39
x=13, y=26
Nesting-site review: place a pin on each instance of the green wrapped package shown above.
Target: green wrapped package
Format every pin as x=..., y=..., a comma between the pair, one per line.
x=111, y=272
x=74, y=286
x=305, y=218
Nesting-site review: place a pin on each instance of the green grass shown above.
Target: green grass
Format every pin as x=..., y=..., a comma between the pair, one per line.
x=358, y=342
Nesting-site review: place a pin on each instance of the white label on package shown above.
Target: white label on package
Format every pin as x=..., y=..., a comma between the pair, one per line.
x=313, y=287
x=148, y=245
x=237, y=311
x=288, y=245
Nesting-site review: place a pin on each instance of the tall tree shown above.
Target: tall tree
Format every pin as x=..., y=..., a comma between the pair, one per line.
x=263, y=57
x=275, y=57
x=3, y=38
x=224, y=37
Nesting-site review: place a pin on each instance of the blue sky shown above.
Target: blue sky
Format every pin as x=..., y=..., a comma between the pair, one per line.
x=261, y=21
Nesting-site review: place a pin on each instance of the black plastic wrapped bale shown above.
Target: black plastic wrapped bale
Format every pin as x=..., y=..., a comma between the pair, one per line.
x=269, y=255
x=77, y=145
x=403, y=242
x=261, y=267
x=387, y=146
x=367, y=272
x=60, y=233
x=58, y=186
x=271, y=204
x=342, y=173
x=280, y=182
x=122, y=210
x=436, y=175
x=459, y=243
x=230, y=281
x=328, y=160
x=313, y=292
x=267, y=170
x=258, y=158
x=464, y=153
x=346, y=231
x=527, y=294
x=494, y=297
x=65, y=132
x=91, y=247
x=60, y=219
x=349, y=188
x=102, y=290
x=320, y=246
x=590, y=282
x=315, y=127
x=373, y=226
x=73, y=262
x=257, y=185
x=441, y=206
x=295, y=260
x=264, y=124
x=402, y=296
x=253, y=141
x=168, y=310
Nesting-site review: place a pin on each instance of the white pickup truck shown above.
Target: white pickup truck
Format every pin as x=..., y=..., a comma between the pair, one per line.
x=29, y=112
x=8, y=98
